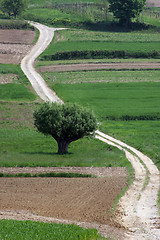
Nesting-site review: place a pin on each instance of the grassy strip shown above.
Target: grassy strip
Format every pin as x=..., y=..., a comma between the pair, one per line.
x=93, y=76
x=51, y=174
x=111, y=60
x=20, y=230
x=104, y=37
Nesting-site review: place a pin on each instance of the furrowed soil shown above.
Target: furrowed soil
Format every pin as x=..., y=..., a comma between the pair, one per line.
x=98, y=66
x=15, y=44
x=78, y=199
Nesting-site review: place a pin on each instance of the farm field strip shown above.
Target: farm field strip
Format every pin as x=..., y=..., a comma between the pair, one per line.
x=153, y=172
x=16, y=46
x=97, y=66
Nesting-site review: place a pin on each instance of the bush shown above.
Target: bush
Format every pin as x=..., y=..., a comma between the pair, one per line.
x=87, y=54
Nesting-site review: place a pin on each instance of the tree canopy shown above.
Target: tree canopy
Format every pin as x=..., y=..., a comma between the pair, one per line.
x=125, y=10
x=65, y=123
x=13, y=7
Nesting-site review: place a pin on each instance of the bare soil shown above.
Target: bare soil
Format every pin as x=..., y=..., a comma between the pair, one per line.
x=73, y=199
x=97, y=66
x=14, y=45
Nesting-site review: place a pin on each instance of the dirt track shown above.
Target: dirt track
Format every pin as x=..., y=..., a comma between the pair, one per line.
x=97, y=66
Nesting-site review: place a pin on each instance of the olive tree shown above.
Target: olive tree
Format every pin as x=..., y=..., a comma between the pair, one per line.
x=65, y=123
x=125, y=10
x=13, y=7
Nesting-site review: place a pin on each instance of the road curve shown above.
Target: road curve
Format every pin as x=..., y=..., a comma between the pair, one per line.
x=138, y=210
x=27, y=64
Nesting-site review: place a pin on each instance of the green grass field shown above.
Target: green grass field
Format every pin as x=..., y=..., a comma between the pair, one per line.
x=21, y=230
x=113, y=99
x=132, y=43
x=15, y=92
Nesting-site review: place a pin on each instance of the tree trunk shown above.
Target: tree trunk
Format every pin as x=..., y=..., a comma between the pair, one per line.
x=63, y=146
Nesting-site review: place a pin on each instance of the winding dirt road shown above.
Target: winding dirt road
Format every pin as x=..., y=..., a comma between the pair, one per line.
x=38, y=83
x=137, y=210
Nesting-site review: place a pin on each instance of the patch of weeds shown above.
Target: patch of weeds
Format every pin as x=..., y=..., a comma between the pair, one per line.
x=48, y=175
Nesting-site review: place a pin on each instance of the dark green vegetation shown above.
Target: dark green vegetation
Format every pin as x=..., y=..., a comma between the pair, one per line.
x=20, y=230
x=51, y=174
x=126, y=10
x=13, y=7
x=65, y=123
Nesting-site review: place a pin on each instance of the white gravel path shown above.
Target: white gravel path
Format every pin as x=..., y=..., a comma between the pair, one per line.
x=138, y=207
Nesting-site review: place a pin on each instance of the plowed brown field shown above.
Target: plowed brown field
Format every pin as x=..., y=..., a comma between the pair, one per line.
x=78, y=199
x=14, y=45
